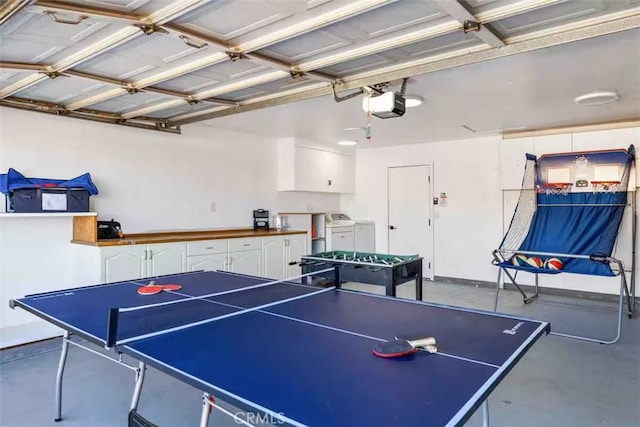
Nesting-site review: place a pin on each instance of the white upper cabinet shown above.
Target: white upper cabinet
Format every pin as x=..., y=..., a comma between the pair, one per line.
x=302, y=168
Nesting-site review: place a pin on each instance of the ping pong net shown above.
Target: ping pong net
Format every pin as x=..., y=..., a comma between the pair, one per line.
x=130, y=324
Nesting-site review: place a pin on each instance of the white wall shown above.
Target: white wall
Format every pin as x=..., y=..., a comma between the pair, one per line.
x=468, y=227
x=478, y=210
x=147, y=181
x=151, y=180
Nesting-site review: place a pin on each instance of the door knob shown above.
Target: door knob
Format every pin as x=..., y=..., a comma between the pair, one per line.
x=392, y=227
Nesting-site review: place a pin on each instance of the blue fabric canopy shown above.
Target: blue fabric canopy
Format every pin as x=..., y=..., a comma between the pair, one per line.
x=14, y=180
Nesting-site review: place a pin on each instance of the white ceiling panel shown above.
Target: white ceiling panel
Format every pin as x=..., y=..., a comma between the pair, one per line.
x=228, y=70
x=36, y=38
x=437, y=45
x=59, y=90
x=115, y=66
x=358, y=65
x=558, y=14
x=183, y=109
x=139, y=7
x=314, y=43
x=8, y=77
x=228, y=19
x=388, y=19
x=376, y=23
x=139, y=56
x=127, y=102
x=243, y=94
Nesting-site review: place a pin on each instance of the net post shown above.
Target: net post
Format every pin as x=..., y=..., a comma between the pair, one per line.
x=112, y=327
x=336, y=276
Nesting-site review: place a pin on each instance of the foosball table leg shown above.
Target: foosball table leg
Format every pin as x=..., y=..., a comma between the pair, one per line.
x=391, y=286
x=419, y=283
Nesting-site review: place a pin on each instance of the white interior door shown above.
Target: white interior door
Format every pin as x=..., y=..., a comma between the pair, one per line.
x=409, y=206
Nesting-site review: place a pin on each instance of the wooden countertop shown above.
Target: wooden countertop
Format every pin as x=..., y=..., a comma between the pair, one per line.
x=183, y=236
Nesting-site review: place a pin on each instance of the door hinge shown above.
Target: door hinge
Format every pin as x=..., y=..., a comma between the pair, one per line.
x=429, y=266
x=429, y=178
x=429, y=222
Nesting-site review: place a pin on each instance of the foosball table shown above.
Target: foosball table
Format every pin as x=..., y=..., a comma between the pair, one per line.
x=369, y=268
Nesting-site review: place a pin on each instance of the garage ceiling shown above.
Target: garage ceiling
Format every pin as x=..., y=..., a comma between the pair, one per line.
x=162, y=64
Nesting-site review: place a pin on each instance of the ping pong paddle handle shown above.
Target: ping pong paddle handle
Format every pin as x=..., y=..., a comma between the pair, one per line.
x=423, y=342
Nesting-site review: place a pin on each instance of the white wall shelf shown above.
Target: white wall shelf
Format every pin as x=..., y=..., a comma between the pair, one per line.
x=44, y=214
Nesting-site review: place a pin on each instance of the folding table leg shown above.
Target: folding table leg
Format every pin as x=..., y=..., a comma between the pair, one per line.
x=485, y=413
x=206, y=410
x=61, y=365
x=142, y=368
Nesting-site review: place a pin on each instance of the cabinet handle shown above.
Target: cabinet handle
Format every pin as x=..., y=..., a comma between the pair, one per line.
x=247, y=244
x=150, y=254
x=209, y=247
x=145, y=254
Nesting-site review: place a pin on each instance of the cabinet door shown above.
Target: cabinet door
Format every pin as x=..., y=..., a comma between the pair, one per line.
x=249, y=262
x=311, y=169
x=273, y=257
x=123, y=263
x=343, y=241
x=344, y=174
x=207, y=262
x=296, y=246
x=167, y=258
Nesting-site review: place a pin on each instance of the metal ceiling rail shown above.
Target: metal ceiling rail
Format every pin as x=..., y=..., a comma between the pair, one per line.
x=390, y=74
x=93, y=115
x=407, y=37
x=351, y=9
x=10, y=8
x=42, y=68
x=167, y=13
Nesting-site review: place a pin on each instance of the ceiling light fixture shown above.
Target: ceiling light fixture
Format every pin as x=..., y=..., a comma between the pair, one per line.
x=596, y=98
x=347, y=142
x=413, y=101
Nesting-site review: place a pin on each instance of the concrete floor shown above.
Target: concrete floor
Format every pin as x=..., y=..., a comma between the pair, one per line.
x=560, y=382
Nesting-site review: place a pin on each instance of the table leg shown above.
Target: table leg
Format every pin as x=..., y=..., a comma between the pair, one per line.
x=391, y=285
x=419, y=283
x=485, y=413
x=61, y=365
x=206, y=410
x=142, y=368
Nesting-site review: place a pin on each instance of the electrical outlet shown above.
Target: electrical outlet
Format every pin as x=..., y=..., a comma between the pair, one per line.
x=213, y=207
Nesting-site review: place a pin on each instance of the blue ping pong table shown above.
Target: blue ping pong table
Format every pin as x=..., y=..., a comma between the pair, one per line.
x=299, y=354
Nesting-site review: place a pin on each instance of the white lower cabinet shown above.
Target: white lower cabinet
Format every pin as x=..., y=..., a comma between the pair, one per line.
x=273, y=252
x=120, y=263
x=123, y=263
x=248, y=262
x=274, y=257
x=207, y=262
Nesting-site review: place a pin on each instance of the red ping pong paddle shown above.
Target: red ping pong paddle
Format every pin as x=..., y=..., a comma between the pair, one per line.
x=399, y=347
x=149, y=290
